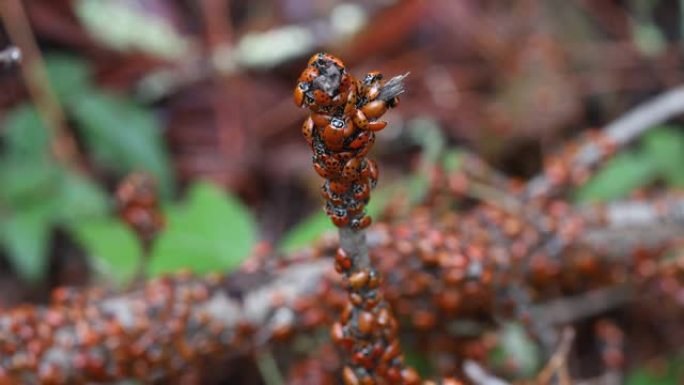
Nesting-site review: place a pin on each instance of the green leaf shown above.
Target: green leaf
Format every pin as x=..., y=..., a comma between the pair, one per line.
x=25, y=135
x=515, y=347
x=428, y=135
x=418, y=360
x=124, y=135
x=649, y=39
x=620, y=176
x=113, y=249
x=306, y=232
x=667, y=372
x=665, y=146
x=452, y=160
x=24, y=183
x=79, y=198
x=210, y=231
x=25, y=236
x=69, y=76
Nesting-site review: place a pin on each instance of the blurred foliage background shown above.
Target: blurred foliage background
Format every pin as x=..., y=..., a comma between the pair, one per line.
x=197, y=94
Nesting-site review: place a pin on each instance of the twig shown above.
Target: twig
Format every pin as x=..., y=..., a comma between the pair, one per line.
x=617, y=227
x=268, y=367
x=540, y=327
x=188, y=320
x=479, y=376
x=33, y=70
x=570, y=309
x=619, y=132
x=559, y=359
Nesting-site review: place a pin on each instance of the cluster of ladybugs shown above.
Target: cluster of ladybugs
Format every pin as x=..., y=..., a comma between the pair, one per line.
x=138, y=206
x=340, y=131
x=368, y=331
x=574, y=163
x=85, y=337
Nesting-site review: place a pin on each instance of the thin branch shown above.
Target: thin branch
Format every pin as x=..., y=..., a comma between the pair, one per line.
x=479, y=376
x=617, y=227
x=90, y=338
x=18, y=27
x=620, y=132
x=558, y=362
x=566, y=310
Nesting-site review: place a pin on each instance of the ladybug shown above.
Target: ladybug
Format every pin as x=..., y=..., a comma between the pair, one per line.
x=371, y=85
x=307, y=130
x=299, y=92
x=361, y=191
x=361, y=223
x=351, y=170
x=363, y=138
x=338, y=215
x=335, y=132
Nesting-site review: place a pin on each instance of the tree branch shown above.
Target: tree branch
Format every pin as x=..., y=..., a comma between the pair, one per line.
x=620, y=132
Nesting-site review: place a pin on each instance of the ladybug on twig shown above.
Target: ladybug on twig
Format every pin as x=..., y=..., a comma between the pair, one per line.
x=345, y=115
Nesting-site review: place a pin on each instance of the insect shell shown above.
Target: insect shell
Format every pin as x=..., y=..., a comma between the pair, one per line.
x=323, y=96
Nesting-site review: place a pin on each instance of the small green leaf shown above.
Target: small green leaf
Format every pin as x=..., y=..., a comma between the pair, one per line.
x=79, y=198
x=25, y=135
x=427, y=133
x=665, y=146
x=25, y=236
x=69, y=76
x=113, y=249
x=620, y=176
x=418, y=360
x=649, y=39
x=452, y=160
x=124, y=135
x=210, y=231
x=24, y=183
x=306, y=232
x=516, y=351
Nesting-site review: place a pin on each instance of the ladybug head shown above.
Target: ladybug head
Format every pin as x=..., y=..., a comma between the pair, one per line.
x=372, y=77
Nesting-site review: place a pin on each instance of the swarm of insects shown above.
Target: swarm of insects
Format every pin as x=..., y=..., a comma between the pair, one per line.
x=345, y=115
